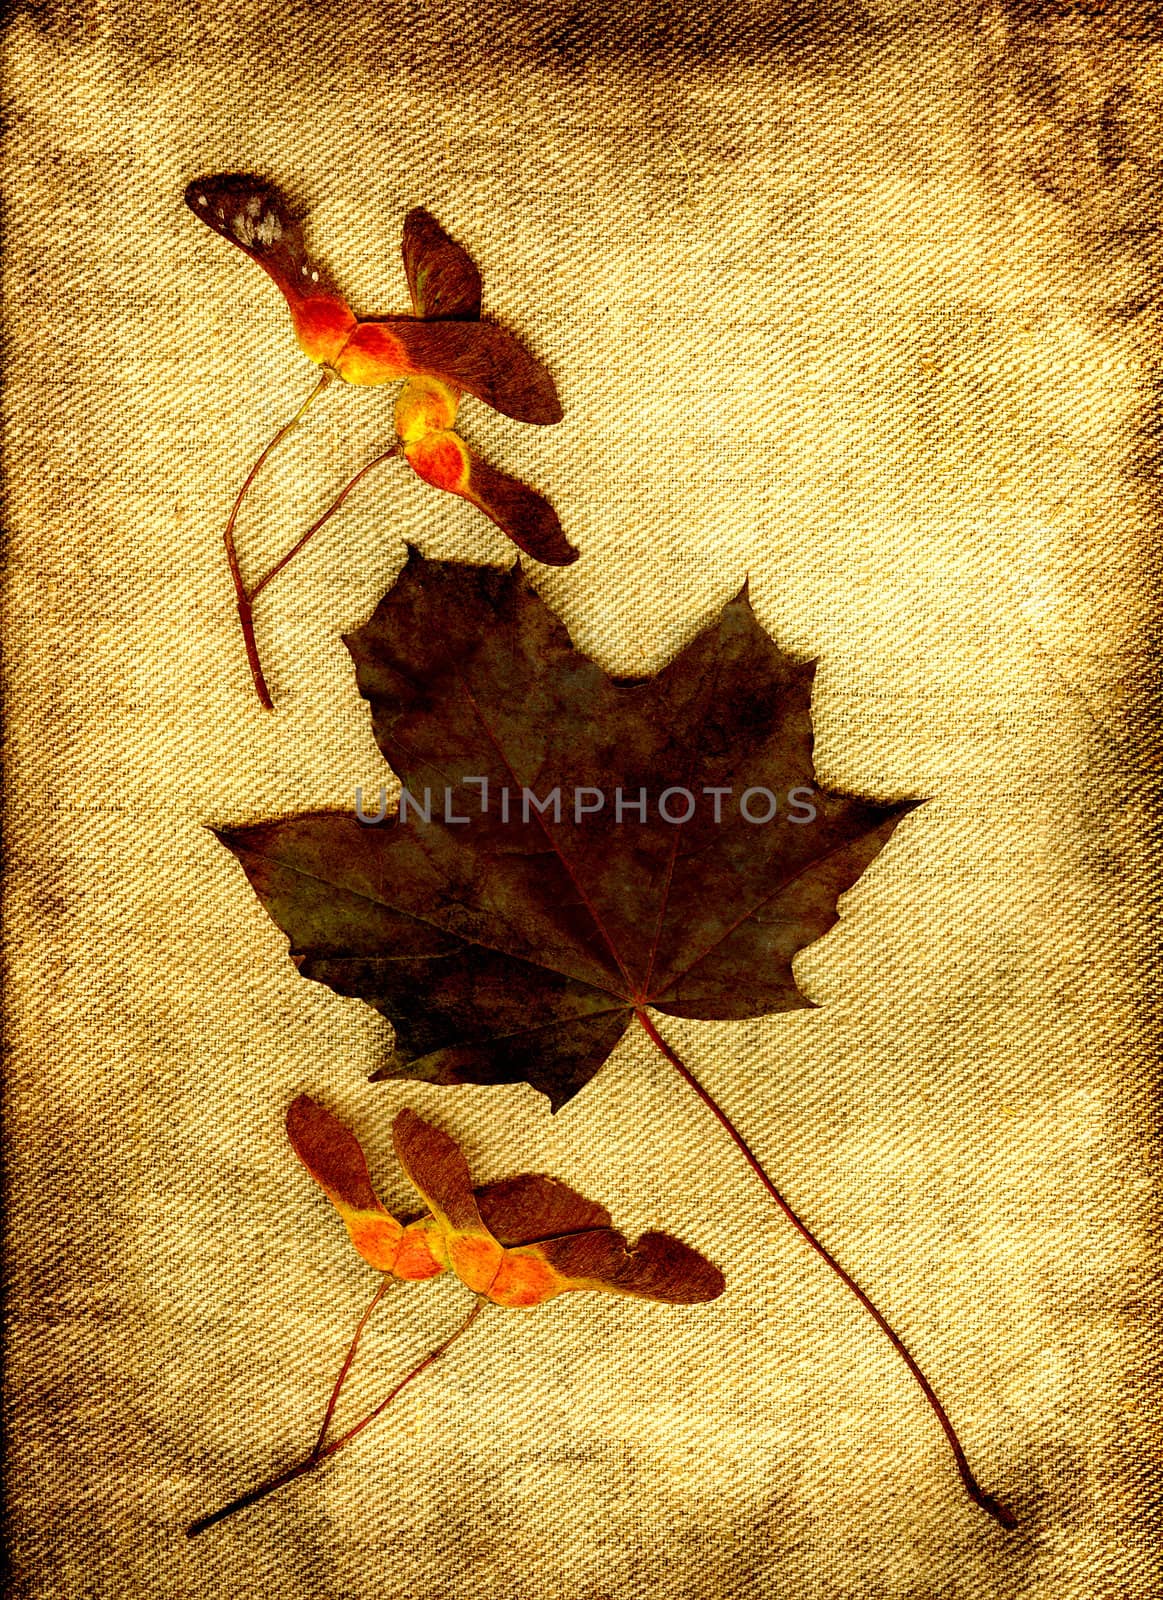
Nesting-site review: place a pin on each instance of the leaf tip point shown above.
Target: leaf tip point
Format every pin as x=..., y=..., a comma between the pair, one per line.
x=381, y=1075
x=907, y=807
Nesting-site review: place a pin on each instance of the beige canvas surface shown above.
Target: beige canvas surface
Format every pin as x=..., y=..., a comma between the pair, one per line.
x=860, y=300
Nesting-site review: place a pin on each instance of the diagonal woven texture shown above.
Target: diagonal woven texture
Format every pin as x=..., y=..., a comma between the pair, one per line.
x=861, y=300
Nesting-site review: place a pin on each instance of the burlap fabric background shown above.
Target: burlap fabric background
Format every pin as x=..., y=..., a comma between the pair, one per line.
x=860, y=299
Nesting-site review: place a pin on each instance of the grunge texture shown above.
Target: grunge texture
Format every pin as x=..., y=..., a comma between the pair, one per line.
x=861, y=300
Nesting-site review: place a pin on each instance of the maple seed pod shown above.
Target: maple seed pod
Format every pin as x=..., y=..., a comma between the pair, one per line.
x=480, y=358
x=334, y=1158
x=442, y=350
x=516, y=1243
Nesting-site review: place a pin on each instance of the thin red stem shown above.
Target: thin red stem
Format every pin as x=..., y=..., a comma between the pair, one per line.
x=429, y=1359
x=245, y=611
x=285, y=561
x=385, y=1285
x=318, y=1456
x=246, y=623
x=976, y=1493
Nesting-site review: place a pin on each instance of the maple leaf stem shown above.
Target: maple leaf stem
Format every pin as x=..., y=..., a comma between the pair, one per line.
x=385, y=1284
x=245, y=609
x=285, y=561
x=318, y=1456
x=976, y=1493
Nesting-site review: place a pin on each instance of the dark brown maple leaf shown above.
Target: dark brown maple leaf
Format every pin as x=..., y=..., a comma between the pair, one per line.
x=571, y=851
x=511, y=946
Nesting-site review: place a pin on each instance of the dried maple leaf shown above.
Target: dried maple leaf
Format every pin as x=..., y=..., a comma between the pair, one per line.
x=442, y=350
x=516, y=1243
x=594, y=850
x=513, y=946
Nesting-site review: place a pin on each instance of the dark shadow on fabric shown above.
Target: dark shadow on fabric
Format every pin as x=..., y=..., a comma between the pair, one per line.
x=564, y=34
